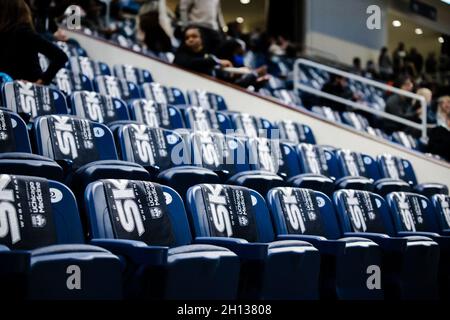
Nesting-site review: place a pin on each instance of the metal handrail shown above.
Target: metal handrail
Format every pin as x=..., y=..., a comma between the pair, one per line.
x=302, y=87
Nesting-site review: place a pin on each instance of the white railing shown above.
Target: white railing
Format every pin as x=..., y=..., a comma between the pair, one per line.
x=357, y=105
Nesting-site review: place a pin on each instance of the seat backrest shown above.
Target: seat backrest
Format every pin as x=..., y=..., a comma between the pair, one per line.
x=355, y=120
x=30, y=100
x=317, y=160
x=68, y=81
x=229, y=211
x=295, y=132
x=201, y=119
x=156, y=115
x=71, y=49
x=288, y=97
x=4, y=78
x=273, y=156
x=218, y=152
x=37, y=212
x=155, y=148
x=117, y=88
x=302, y=212
x=405, y=140
x=412, y=212
x=97, y=107
x=328, y=113
x=132, y=74
x=73, y=140
x=136, y=210
x=355, y=164
x=13, y=133
x=162, y=94
x=251, y=126
x=362, y=211
x=396, y=168
x=441, y=204
x=206, y=100
x=89, y=68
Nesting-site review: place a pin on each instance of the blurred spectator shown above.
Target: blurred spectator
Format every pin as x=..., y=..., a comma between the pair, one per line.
x=21, y=45
x=431, y=64
x=443, y=112
x=371, y=71
x=399, y=58
x=439, y=137
x=337, y=86
x=155, y=26
x=193, y=55
x=278, y=46
x=357, y=67
x=234, y=50
x=207, y=15
x=416, y=58
x=385, y=64
x=400, y=105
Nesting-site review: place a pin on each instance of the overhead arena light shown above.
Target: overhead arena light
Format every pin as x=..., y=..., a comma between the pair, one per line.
x=396, y=23
x=441, y=39
x=418, y=31
x=240, y=20
x=245, y=1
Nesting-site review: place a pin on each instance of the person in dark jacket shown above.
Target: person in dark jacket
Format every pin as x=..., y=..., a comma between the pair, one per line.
x=20, y=45
x=192, y=54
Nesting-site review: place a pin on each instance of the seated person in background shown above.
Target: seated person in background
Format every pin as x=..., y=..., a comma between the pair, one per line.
x=20, y=45
x=234, y=50
x=192, y=54
x=439, y=137
x=400, y=105
x=337, y=86
x=443, y=112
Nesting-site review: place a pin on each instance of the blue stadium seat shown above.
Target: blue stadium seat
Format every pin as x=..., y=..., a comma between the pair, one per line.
x=358, y=171
x=328, y=113
x=405, y=140
x=355, y=120
x=206, y=100
x=269, y=162
x=68, y=82
x=307, y=215
x=27, y=164
x=441, y=204
x=252, y=126
x=71, y=49
x=30, y=100
x=202, y=119
x=146, y=224
x=13, y=133
x=237, y=218
x=4, y=78
x=44, y=255
x=97, y=107
x=132, y=74
x=225, y=155
x=288, y=97
x=85, y=149
x=410, y=264
x=89, y=68
x=117, y=88
x=395, y=171
x=414, y=215
x=165, y=154
x=318, y=167
x=295, y=132
x=162, y=94
x=156, y=115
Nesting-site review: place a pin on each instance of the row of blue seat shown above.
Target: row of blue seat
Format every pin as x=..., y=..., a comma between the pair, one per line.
x=142, y=243
x=259, y=163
